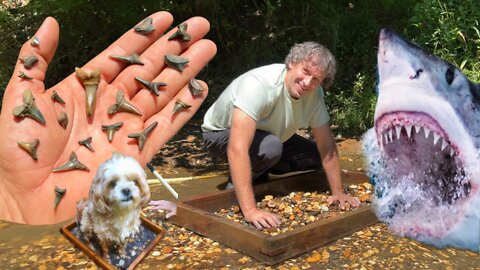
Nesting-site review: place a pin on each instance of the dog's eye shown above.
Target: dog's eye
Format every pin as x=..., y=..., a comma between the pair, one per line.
x=113, y=183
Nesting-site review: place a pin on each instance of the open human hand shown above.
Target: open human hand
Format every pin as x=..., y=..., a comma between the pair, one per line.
x=27, y=185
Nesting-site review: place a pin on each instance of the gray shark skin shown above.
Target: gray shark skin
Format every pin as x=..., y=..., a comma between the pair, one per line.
x=423, y=151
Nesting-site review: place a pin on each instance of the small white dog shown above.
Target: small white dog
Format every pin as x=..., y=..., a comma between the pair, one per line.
x=111, y=214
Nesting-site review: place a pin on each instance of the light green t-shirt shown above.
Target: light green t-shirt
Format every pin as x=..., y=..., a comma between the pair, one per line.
x=261, y=94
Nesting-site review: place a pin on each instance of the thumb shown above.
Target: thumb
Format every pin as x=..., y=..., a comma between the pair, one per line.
x=43, y=49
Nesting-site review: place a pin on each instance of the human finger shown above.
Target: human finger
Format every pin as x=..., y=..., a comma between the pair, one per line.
x=171, y=214
x=129, y=43
x=34, y=58
x=153, y=58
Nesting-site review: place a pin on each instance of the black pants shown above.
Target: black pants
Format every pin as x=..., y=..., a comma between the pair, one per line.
x=268, y=153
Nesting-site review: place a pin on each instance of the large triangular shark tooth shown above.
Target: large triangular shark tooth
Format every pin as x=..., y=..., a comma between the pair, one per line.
x=390, y=135
x=436, y=137
x=417, y=129
x=427, y=132
x=398, y=129
x=409, y=130
x=444, y=144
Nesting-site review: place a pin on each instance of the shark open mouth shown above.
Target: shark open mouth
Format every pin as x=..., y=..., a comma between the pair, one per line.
x=426, y=175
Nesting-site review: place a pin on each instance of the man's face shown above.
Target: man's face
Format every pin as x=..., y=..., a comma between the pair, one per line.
x=303, y=77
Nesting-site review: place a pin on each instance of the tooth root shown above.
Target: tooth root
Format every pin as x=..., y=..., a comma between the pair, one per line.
x=122, y=105
x=398, y=130
x=86, y=142
x=142, y=136
x=436, y=137
x=427, y=132
x=390, y=135
x=71, y=164
x=444, y=144
x=111, y=129
x=409, y=131
x=59, y=192
x=30, y=148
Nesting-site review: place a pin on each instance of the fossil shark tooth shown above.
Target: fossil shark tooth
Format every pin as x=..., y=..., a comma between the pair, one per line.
x=180, y=105
x=86, y=142
x=28, y=108
x=35, y=41
x=152, y=86
x=131, y=59
x=63, y=120
x=30, y=148
x=176, y=62
x=71, y=164
x=56, y=97
x=145, y=27
x=181, y=33
x=111, y=129
x=59, y=192
x=90, y=81
x=142, y=136
x=195, y=87
x=24, y=76
x=28, y=61
x=122, y=105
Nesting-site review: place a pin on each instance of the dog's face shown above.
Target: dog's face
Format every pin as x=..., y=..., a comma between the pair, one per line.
x=119, y=185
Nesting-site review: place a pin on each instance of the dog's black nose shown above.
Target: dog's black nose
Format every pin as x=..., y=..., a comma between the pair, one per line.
x=126, y=192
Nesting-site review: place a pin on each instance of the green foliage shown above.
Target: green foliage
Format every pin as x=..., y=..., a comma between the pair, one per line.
x=450, y=29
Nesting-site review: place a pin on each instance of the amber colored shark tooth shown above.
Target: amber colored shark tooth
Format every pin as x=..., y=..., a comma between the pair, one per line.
x=90, y=81
x=87, y=143
x=111, y=129
x=30, y=148
x=28, y=108
x=181, y=33
x=152, y=86
x=195, y=87
x=122, y=105
x=24, y=76
x=180, y=105
x=56, y=97
x=71, y=164
x=142, y=136
x=28, y=61
x=145, y=27
x=59, y=192
x=176, y=62
x=63, y=120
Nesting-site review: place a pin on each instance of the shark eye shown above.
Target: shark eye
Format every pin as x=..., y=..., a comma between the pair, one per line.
x=449, y=76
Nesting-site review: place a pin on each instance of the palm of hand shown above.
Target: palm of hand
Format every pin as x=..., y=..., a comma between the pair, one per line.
x=27, y=185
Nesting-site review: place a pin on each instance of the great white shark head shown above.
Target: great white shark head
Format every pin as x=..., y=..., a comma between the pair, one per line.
x=423, y=151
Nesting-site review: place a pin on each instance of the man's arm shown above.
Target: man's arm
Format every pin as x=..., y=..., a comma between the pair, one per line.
x=331, y=164
x=241, y=137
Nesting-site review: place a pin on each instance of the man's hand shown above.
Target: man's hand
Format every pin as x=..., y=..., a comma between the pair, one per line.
x=342, y=198
x=261, y=219
x=167, y=206
x=27, y=185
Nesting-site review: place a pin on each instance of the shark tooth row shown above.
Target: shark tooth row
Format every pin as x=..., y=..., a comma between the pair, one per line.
x=388, y=136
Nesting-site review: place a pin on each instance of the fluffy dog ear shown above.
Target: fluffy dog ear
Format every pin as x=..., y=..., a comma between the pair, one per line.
x=144, y=190
x=98, y=191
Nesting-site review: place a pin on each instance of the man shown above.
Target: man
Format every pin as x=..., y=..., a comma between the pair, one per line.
x=254, y=121
x=27, y=185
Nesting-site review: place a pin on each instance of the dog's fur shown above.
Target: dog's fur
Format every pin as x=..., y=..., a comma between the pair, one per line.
x=111, y=214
